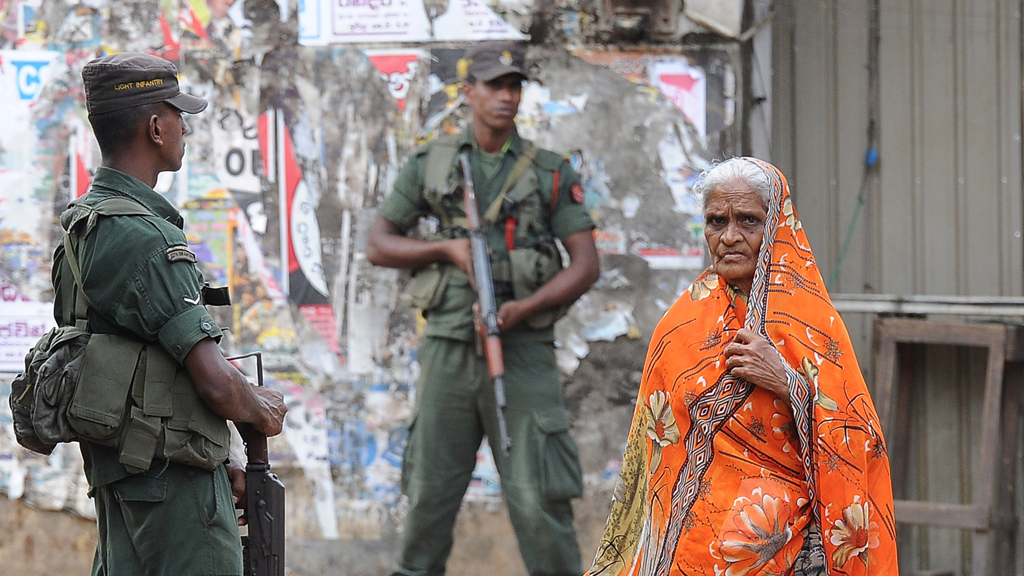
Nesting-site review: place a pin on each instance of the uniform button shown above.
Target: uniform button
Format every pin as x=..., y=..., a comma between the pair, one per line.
x=206, y=326
x=177, y=349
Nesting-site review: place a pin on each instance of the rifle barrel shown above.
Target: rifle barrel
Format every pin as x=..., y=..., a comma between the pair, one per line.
x=485, y=297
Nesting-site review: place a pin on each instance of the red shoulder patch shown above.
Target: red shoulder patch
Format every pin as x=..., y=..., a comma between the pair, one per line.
x=577, y=193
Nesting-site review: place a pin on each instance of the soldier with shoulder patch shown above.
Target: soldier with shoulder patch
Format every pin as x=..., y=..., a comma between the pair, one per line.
x=529, y=199
x=160, y=385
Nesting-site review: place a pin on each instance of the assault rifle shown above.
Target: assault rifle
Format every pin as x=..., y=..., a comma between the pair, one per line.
x=485, y=296
x=263, y=547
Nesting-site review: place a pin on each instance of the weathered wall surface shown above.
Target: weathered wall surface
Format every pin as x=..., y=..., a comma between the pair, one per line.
x=302, y=140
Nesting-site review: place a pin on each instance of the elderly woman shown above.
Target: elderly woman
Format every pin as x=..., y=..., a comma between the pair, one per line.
x=755, y=448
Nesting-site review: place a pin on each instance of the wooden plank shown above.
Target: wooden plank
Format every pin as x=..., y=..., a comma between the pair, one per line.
x=988, y=464
x=1014, y=343
x=885, y=365
x=1005, y=538
x=941, y=514
x=930, y=332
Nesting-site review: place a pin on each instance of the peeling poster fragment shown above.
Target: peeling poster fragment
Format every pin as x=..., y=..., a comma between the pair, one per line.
x=323, y=22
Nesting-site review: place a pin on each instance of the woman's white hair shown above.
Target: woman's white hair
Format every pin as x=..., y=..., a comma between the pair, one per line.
x=731, y=171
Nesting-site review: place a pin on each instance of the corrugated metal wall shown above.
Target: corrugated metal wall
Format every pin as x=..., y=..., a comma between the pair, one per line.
x=942, y=213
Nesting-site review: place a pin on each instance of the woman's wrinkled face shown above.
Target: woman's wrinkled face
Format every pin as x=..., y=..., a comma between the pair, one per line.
x=734, y=228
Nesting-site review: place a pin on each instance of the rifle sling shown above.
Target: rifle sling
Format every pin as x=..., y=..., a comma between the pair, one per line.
x=518, y=169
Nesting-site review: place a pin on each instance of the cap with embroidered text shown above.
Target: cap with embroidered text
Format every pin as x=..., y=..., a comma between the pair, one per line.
x=489, y=60
x=133, y=79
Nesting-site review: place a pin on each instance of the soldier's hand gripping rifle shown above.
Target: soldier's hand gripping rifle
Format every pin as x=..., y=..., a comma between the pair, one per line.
x=485, y=297
x=263, y=548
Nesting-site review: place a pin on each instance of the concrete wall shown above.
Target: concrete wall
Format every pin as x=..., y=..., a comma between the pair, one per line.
x=330, y=125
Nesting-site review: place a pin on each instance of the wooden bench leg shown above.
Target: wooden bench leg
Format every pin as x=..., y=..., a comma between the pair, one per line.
x=1006, y=524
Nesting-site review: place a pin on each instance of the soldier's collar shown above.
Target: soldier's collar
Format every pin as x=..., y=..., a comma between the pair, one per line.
x=514, y=143
x=501, y=153
x=125, y=184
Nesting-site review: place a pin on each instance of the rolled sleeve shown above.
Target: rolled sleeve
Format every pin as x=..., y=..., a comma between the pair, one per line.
x=185, y=329
x=405, y=205
x=569, y=216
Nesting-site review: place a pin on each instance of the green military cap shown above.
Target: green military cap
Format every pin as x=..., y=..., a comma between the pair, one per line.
x=489, y=60
x=132, y=79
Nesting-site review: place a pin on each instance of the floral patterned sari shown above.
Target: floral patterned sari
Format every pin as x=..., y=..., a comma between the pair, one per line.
x=719, y=476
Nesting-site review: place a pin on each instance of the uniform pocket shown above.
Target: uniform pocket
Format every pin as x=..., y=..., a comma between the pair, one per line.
x=100, y=401
x=208, y=487
x=561, y=477
x=428, y=286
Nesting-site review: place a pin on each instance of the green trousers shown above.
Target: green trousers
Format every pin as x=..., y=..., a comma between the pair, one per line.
x=173, y=521
x=454, y=410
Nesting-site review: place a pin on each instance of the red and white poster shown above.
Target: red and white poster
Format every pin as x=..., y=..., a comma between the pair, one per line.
x=397, y=68
x=686, y=87
x=80, y=159
x=303, y=279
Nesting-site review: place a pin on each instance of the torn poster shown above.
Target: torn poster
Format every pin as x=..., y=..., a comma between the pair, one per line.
x=303, y=275
x=397, y=68
x=324, y=22
x=305, y=427
x=22, y=323
x=686, y=87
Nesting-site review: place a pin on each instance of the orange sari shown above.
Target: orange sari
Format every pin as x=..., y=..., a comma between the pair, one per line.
x=719, y=477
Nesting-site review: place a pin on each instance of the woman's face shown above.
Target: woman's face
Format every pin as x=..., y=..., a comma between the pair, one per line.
x=734, y=228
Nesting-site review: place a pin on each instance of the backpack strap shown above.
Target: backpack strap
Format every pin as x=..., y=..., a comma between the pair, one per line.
x=71, y=219
x=75, y=304
x=518, y=169
x=440, y=160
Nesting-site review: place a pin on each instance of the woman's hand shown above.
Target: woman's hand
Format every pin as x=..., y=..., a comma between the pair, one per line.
x=755, y=359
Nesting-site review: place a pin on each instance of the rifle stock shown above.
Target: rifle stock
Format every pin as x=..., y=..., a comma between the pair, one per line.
x=485, y=297
x=263, y=547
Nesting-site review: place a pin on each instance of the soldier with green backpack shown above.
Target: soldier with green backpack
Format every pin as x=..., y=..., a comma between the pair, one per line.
x=153, y=392
x=529, y=200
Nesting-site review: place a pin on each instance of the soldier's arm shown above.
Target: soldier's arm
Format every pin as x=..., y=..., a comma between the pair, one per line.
x=226, y=391
x=401, y=210
x=564, y=288
x=387, y=246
